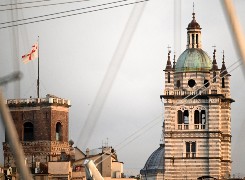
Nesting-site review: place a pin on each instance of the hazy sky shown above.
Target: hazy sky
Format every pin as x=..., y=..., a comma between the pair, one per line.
x=75, y=53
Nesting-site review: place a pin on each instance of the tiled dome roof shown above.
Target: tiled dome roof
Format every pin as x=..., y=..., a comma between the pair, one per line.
x=155, y=163
x=193, y=60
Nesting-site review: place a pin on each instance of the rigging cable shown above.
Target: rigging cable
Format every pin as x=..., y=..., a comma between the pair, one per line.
x=28, y=2
x=84, y=8
x=42, y=20
x=42, y=5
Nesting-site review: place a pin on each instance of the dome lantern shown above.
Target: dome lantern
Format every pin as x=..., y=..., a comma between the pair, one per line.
x=194, y=34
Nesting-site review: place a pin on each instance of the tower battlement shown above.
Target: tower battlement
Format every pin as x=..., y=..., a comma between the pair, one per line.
x=49, y=100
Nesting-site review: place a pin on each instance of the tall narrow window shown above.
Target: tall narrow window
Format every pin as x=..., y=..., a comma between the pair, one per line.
x=214, y=77
x=203, y=116
x=28, y=132
x=178, y=83
x=58, y=132
x=190, y=149
x=197, y=40
x=193, y=37
x=180, y=117
x=187, y=149
x=203, y=119
x=186, y=117
x=193, y=149
x=168, y=77
x=196, y=117
x=223, y=82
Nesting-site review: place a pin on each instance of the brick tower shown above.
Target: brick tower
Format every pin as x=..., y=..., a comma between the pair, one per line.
x=42, y=127
x=197, y=104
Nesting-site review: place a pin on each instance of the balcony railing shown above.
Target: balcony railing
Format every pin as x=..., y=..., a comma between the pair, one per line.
x=190, y=155
x=183, y=126
x=191, y=126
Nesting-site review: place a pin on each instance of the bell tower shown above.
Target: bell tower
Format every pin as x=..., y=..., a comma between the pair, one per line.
x=42, y=125
x=197, y=104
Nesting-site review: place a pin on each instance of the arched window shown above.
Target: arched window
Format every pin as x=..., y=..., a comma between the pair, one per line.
x=200, y=119
x=28, y=131
x=58, y=131
x=223, y=82
x=203, y=116
x=168, y=77
x=186, y=117
x=196, y=117
x=180, y=117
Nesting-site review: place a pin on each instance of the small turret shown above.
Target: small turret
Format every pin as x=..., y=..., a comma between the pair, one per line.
x=174, y=62
x=169, y=65
x=215, y=66
x=223, y=70
x=193, y=33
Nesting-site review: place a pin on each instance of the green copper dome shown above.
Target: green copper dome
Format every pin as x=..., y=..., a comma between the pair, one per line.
x=193, y=59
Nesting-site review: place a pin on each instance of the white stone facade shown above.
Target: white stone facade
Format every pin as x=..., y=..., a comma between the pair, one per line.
x=197, y=104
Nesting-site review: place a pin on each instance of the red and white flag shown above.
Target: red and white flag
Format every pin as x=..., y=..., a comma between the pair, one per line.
x=31, y=55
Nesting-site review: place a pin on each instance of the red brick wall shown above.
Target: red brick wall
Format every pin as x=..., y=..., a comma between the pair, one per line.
x=44, y=120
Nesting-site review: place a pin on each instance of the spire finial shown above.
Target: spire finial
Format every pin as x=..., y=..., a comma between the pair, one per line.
x=215, y=66
x=223, y=70
x=193, y=7
x=174, y=63
x=168, y=66
x=223, y=58
x=214, y=52
x=169, y=51
x=193, y=14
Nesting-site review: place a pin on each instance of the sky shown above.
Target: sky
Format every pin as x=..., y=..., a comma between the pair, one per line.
x=76, y=51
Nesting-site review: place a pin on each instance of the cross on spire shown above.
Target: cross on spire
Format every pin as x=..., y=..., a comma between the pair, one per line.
x=223, y=52
x=193, y=7
x=193, y=14
x=168, y=66
x=169, y=49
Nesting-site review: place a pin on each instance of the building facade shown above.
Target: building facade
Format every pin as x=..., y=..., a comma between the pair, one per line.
x=106, y=162
x=197, y=104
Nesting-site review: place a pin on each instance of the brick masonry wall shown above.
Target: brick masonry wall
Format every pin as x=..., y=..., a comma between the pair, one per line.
x=44, y=118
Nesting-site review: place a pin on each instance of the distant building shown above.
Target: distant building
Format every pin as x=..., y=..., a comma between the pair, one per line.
x=105, y=160
x=197, y=122
x=154, y=166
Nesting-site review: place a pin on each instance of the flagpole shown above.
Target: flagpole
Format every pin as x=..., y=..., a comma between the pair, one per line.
x=38, y=69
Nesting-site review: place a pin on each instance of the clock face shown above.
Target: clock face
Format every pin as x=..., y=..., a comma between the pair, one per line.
x=191, y=83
